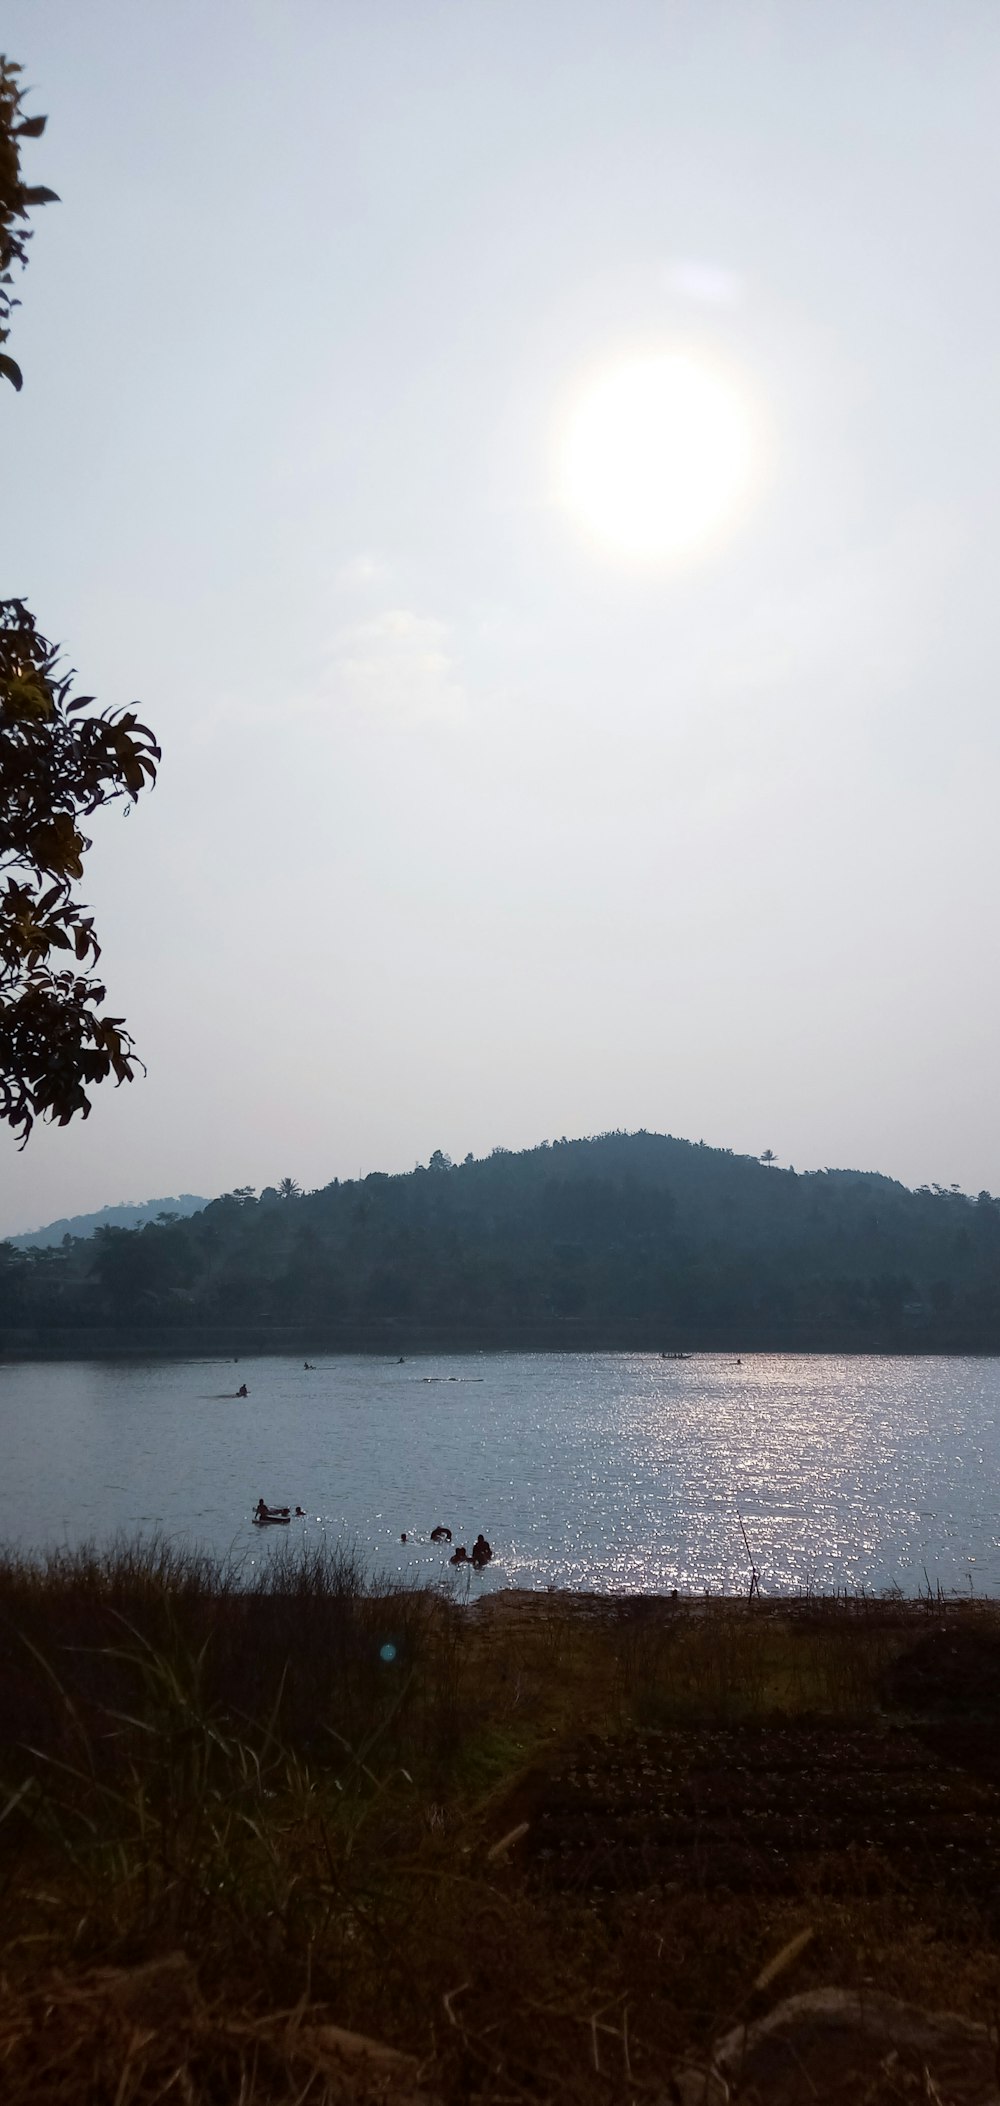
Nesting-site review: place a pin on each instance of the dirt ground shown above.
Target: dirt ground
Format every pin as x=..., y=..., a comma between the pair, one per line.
x=907, y=1797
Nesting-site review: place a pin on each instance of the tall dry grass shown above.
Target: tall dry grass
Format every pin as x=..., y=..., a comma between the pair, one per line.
x=303, y=1780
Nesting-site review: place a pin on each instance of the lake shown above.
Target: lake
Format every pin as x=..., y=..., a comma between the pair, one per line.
x=607, y=1471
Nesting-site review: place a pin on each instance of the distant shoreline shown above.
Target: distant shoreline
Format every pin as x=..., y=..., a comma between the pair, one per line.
x=249, y=1342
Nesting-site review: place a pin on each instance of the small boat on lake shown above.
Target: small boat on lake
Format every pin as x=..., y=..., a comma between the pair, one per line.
x=265, y=1516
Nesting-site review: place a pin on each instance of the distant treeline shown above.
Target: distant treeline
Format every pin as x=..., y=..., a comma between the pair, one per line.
x=129, y=1213
x=625, y=1239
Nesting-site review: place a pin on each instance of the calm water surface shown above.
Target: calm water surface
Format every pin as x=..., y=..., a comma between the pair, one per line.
x=609, y=1471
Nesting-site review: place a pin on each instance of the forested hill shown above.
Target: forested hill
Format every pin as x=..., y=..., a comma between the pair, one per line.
x=129, y=1213
x=626, y=1239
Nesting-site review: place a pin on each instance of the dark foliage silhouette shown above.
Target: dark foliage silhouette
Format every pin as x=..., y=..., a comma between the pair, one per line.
x=59, y=763
x=16, y=199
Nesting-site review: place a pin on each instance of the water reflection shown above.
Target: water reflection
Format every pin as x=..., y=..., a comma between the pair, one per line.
x=603, y=1471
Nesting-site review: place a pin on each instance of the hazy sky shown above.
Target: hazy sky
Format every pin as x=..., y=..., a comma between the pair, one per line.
x=471, y=827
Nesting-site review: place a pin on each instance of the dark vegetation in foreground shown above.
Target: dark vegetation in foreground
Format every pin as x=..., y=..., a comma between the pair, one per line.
x=543, y=1847
x=626, y=1239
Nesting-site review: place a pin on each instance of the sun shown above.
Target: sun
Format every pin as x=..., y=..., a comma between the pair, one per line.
x=659, y=455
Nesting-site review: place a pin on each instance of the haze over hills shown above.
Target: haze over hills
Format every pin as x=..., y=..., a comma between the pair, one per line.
x=129, y=1213
x=625, y=1239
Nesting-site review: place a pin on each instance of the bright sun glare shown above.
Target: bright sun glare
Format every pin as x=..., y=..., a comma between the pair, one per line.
x=658, y=455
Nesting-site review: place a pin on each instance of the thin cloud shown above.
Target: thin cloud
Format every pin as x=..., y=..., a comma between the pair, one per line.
x=398, y=667
x=360, y=574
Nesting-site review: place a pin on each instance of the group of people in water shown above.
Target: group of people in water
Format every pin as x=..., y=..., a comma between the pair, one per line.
x=479, y=1555
x=263, y=1512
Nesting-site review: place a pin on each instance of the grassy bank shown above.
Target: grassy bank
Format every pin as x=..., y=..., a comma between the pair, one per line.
x=544, y=1846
